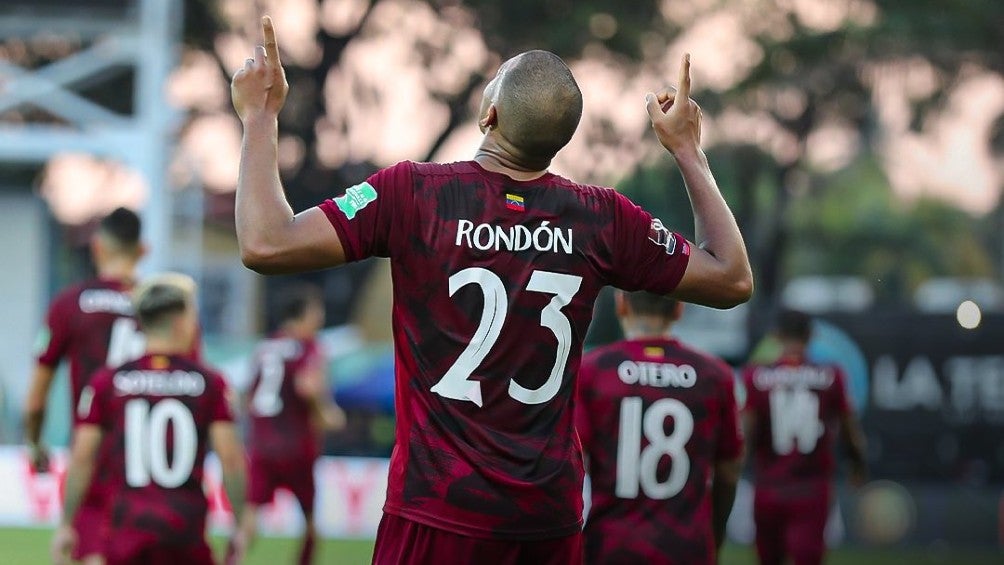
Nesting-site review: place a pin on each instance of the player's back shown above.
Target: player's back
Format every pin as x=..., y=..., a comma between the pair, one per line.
x=797, y=405
x=655, y=417
x=156, y=413
x=494, y=285
x=91, y=325
x=281, y=425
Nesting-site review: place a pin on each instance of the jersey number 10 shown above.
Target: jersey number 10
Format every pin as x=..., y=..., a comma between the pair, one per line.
x=637, y=466
x=146, y=457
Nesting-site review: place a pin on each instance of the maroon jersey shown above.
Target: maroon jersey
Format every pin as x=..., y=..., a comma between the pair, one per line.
x=797, y=405
x=655, y=416
x=155, y=414
x=281, y=427
x=494, y=285
x=90, y=324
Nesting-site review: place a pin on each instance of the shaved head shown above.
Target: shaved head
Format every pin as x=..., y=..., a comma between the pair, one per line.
x=538, y=103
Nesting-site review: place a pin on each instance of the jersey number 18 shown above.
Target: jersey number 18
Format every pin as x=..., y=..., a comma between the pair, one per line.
x=637, y=466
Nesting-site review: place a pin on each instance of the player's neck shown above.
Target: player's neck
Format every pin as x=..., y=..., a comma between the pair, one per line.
x=118, y=270
x=791, y=351
x=297, y=331
x=646, y=328
x=160, y=345
x=494, y=155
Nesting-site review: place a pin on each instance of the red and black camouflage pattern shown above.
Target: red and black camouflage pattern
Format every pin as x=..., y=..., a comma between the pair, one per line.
x=675, y=526
x=483, y=463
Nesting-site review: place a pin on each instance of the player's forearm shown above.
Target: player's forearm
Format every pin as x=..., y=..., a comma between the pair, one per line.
x=235, y=485
x=715, y=228
x=723, y=494
x=855, y=441
x=78, y=477
x=261, y=212
x=34, y=410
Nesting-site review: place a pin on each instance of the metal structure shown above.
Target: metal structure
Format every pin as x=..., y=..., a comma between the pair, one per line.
x=119, y=35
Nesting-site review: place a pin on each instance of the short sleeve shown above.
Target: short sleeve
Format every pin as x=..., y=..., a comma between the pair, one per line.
x=220, y=408
x=54, y=338
x=645, y=255
x=92, y=407
x=730, y=441
x=841, y=394
x=372, y=217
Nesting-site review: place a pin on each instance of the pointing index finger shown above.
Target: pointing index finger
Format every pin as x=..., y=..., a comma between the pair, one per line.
x=271, y=48
x=684, y=91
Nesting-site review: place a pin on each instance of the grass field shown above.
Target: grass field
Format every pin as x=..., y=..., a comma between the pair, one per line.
x=30, y=547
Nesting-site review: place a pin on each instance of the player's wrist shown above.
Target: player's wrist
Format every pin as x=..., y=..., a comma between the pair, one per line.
x=689, y=154
x=260, y=119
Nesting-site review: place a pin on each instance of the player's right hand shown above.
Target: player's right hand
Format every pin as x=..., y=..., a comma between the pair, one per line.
x=63, y=542
x=259, y=88
x=38, y=457
x=675, y=117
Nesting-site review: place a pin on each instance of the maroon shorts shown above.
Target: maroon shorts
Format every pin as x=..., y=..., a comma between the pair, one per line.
x=401, y=541
x=295, y=475
x=790, y=527
x=150, y=554
x=91, y=522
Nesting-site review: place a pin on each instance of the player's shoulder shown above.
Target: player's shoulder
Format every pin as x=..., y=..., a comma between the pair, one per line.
x=593, y=196
x=706, y=363
x=604, y=353
x=70, y=294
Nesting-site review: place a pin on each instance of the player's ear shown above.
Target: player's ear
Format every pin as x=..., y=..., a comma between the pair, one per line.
x=621, y=307
x=141, y=250
x=677, y=311
x=97, y=248
x=489, y=120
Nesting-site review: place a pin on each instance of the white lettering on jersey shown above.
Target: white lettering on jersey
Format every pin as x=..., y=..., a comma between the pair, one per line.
x=808, y=376
x=484, y=237
x=657, y=374
x=104, y=300
x=159, y=383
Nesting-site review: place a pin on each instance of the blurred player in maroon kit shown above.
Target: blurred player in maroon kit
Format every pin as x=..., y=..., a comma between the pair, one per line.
x=496, y=264
x=91, y=324
x=658, y=496
x=289, y=402
x=160, y=412
x=793, y=409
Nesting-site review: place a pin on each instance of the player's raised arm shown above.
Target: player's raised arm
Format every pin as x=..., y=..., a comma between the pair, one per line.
x=272, y=239
x=718, y=273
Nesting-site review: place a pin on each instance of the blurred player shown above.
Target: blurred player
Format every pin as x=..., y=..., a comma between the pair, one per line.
x=660, y=431
x=289, y=402
x=160, y=413
x=496, y=265
x=91, y=324
x=793, y=408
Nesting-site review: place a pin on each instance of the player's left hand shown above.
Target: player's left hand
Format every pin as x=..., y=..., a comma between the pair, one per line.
x=675, y=117
x=63, y=542
x=259, y=88
x=333, y=418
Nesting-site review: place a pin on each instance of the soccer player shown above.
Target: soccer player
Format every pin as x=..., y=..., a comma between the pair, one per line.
x=793, y=409
x=660, y=431
x=91, y=324
x=289, y=403
x=496, y=265
x=159, y=412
